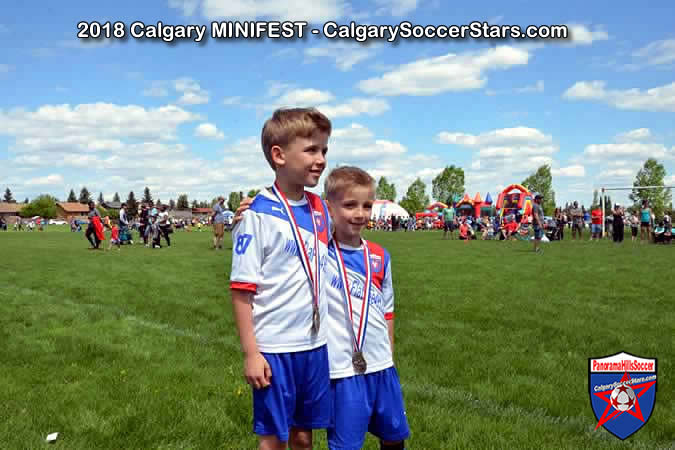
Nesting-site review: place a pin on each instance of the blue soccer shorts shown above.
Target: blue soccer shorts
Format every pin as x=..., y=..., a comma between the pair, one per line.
x=367, y=403
x=299, y=394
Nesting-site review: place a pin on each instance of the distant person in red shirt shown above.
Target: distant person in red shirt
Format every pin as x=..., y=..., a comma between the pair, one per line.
x=596, y=223
x=464, y=231
x=114, y=237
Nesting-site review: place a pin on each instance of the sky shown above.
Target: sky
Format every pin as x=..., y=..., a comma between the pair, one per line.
x=119, y=114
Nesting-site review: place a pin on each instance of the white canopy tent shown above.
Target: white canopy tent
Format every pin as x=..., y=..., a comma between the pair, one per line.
x=383, y=209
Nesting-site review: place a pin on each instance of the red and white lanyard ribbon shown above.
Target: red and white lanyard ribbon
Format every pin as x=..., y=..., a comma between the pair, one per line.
x=312, y=276
x=357, y=338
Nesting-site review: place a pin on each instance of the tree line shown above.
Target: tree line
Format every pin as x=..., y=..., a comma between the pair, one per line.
x=44, y=205
x=447, y=186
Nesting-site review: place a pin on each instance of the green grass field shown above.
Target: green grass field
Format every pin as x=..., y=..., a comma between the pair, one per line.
x=137, y=349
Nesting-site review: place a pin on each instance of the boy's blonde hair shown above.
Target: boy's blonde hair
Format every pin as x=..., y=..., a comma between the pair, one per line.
x=345, y=177
x=287, y=124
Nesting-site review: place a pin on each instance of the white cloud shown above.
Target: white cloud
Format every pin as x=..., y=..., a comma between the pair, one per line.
x=447, y=73
x=396, y=8
x=355, y=107
x=657, y=53
x=500, y=137
x=156, y=89
x=232, y=100
x=658, y=99
x=502, y=155
x=193, y=94
x=537, y=87
x=635, y=135
x=315, y=11
x=345, y=56
x=304, y=97
x=209, y=130
x=90, y=126
x=627, y=150
x=570, y=171
x=582, y=35
x=669, y=181
x=290, y=96
x=49, y=180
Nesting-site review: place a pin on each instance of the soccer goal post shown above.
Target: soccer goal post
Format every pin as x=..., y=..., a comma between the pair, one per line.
x=602, y=197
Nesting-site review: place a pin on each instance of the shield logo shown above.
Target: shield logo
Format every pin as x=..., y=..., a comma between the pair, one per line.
x=622, y=388
x=375, y=263
x=318, y=220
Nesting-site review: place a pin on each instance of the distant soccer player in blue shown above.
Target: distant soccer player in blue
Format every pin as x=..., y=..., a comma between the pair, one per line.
x=277, y=282
x=365, y=385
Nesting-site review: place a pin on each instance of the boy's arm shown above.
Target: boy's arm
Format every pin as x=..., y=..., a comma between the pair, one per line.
x=388, y=303
x=390, y=328
x=256, y=369
x=247, y=260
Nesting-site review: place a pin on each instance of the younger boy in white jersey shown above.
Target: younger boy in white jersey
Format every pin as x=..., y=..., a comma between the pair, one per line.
x=365, y=387
x=280, y=254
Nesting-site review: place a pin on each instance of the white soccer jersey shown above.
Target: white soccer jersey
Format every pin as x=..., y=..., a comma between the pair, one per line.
x=376, y=348
x=266, y=261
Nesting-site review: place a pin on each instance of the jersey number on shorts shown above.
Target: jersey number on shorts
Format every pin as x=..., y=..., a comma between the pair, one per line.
x=242, y=243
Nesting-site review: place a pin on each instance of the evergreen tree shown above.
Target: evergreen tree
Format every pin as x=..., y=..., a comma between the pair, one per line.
x=158, y=203
x=85, y=196
x=26, y=200
x=147, y=198
x=71, y=197
x=8, y=196
x=132, y=205
x=116, y=197
x=101, y=200
x=182, y=202
x=172, y=205
x=195, y=204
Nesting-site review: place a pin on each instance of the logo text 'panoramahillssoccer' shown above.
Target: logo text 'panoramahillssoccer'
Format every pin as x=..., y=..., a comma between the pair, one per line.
x=622, y=390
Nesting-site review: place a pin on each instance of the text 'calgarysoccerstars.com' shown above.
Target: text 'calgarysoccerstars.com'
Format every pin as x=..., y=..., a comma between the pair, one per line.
x=330, y=30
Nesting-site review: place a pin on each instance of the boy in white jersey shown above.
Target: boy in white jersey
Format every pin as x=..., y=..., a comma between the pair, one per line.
x=280, y=252
x=365, y=387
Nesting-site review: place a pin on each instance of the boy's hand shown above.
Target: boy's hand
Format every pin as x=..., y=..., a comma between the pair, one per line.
x=257, y=371
x=243, y=206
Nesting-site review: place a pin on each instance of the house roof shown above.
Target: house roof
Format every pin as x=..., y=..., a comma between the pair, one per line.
x=73, y=207
x=11, y=207
x=112, y=205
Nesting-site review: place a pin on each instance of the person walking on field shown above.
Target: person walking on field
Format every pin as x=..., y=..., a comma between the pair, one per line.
x=218, y=219
x=94, y=231
x=617, y=229
x=645, y=221
x=538, y=222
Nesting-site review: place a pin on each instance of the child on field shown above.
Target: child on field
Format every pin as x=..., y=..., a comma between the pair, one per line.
x=365, y=388
x=279, y=255
x=114, y=236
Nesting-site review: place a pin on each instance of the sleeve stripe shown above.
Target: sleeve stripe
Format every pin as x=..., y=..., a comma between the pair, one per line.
x=389, y=316
x=251, y=287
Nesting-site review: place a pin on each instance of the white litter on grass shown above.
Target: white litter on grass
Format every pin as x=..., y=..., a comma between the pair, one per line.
x=52, y=437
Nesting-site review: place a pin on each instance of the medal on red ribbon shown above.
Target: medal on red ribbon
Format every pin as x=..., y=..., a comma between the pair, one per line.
x=358, y=338
x=312, y=275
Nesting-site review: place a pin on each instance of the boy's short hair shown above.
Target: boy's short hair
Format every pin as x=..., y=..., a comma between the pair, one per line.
x=287, y=124
x=342, y=178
